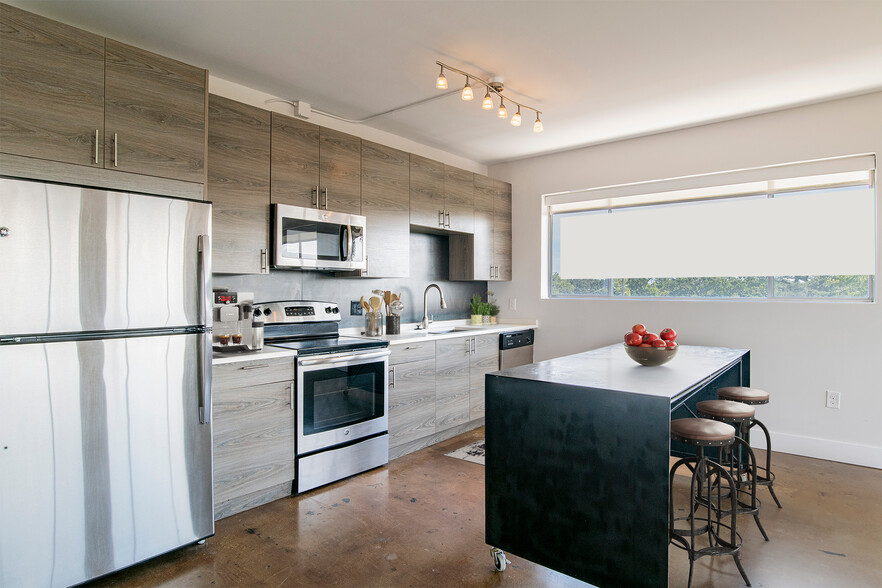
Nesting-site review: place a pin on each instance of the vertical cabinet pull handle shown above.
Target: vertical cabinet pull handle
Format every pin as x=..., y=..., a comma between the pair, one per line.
x=263, y=261
x=447, y=221
x=315, y=200
x=468, y=345
x=325, y=194
x=440, y=218
x=291, y=387
x=96, y=145
x=392, y=376
x=115, y=160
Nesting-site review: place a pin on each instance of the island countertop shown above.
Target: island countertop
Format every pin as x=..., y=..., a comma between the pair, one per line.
x=609, y=368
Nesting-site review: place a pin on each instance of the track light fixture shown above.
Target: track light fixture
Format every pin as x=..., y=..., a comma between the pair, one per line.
x=441, y=82
x=467, y=93
x=494, y=85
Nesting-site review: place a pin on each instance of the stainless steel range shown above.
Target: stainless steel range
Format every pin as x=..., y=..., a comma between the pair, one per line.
x=342, y=391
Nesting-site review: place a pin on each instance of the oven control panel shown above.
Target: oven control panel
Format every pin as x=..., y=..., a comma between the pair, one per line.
x=297, y=311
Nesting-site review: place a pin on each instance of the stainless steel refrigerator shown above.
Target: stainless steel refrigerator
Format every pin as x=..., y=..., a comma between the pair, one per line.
x=105, y=380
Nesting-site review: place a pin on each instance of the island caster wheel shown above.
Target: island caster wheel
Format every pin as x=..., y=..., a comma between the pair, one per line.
x=200, y=542
x=499, y=559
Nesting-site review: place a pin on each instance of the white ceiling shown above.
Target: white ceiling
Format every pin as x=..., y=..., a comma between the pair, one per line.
x=598, y=71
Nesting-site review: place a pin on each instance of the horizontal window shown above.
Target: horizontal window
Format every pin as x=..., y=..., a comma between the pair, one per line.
x=788, y=237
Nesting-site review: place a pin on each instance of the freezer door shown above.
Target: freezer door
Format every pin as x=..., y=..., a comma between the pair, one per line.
x=104, y=462
x=93, y=260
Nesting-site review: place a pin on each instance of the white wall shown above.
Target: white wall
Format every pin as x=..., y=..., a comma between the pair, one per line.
x=246, y=95
x=798, y=349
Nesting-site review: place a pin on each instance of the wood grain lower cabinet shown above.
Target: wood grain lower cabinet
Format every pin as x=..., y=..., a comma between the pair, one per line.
x=483, y=360
x=385, y=193
x=452, y=382
x=238, y=186
x=53, y=89
x=254, y=433
x=411, y=401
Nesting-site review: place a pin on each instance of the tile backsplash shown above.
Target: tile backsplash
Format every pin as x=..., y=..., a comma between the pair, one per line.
x=429, y=263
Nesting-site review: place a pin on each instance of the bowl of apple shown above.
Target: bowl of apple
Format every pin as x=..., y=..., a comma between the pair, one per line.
x=651, y=349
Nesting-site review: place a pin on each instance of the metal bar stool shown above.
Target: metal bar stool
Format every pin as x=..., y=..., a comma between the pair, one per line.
x=711, y=487
x=753, y=397
x=739, y=459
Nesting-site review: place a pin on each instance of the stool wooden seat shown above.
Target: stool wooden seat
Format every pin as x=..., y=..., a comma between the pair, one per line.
x=712, y=495
x=741, y=462
x=743, y=394
x=753, y=397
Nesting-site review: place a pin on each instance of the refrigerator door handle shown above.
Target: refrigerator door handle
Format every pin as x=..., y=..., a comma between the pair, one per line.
x=204, y=289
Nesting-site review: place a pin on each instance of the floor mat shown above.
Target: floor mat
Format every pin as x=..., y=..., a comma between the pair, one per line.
x=474, y=452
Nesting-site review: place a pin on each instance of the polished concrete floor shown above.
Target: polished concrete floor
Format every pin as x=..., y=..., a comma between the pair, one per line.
x=420, y=522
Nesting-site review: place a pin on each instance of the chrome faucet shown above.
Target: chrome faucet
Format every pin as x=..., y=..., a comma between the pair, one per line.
x=424, y=324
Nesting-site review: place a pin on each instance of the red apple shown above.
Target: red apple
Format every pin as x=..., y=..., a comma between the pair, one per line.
x=668, y=334
x=633, y=339
x=645, y=345
x=659, y=343
x=649, y=338
x=639, y=329
x=671, y=344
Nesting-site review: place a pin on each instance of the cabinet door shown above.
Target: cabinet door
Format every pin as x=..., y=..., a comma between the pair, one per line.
x=426, y=192
x=502, y=230
x=294, y=163
x=53, y=89
x=253, y=439
x=411, y=401
x=484, y=360
x=385, y=195
x=451, y=382
x=340, y=171
x=485, y=193
x=238, y=186
x=155, y=107
x=459, y=199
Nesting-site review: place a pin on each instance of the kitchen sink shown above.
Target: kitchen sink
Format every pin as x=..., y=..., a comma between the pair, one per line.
x=442, y=330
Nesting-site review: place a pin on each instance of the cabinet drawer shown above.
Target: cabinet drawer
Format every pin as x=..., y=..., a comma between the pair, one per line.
x=252, y=372
x=414, y=351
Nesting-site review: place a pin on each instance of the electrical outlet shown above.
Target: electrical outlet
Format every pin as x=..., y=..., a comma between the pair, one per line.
x=834, y=399
x=512, y=303
x=355, y=307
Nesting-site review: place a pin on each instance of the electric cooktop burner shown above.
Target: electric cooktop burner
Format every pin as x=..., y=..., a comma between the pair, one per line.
x=308, y=327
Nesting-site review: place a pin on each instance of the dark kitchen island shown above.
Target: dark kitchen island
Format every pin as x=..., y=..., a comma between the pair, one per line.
x=578, y=457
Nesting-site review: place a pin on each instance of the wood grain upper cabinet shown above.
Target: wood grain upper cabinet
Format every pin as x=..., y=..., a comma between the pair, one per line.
x=314, y=167
x=426, y=192
x=486, y=255
x=294, y=162
x=384, y=202
x=238, y=186
x=502, y=251
x=340, y=171
x=155, y=112
x=459, y=200
x=52, y=104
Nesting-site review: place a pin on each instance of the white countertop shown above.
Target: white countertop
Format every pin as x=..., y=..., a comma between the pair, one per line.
x=409, y=333
x=443, y=330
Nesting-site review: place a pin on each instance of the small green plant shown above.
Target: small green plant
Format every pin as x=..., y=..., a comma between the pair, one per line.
x=493, y=310
x=476, y=304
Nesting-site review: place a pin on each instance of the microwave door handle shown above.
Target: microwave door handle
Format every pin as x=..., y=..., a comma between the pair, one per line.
x=348, y=242
x=345, y=243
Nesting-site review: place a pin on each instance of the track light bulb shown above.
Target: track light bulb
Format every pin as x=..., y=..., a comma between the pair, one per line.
x=516, y=119
x=467, y=93
x=487, y=104
x=441, y=82
x=537, y=126
x=502, y=112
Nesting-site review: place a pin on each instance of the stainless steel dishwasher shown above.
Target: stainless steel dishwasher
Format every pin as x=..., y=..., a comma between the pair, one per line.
x=515, y=348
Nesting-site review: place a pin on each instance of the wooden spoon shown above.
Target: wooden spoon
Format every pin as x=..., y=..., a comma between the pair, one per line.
x=375, y=304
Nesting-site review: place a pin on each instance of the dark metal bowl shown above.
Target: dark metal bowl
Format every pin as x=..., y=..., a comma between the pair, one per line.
x=651, y=356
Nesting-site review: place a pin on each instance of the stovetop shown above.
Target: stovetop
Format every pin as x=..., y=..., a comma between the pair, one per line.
x=328, y=345
x=308, y=327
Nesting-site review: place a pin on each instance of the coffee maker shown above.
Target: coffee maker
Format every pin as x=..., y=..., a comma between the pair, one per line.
x=236, y=327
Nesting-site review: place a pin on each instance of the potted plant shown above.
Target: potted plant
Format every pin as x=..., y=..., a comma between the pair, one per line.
x=476, y=309
x=493, y=310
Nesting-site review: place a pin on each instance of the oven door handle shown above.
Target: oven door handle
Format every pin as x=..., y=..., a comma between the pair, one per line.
x=342, y=358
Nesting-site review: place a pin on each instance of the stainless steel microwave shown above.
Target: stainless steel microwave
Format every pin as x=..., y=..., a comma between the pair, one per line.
x=308, y=238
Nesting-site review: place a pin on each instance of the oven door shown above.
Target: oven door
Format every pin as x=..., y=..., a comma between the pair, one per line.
x=341, y=397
